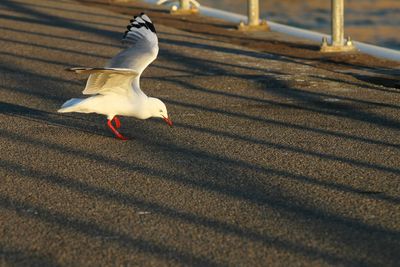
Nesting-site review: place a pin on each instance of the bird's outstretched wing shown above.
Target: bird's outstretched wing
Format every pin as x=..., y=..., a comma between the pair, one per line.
x=103, y=80
x=142, y=40
x=103, y=70
x=121, y=70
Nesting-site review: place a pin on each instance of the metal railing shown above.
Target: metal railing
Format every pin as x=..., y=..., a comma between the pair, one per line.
x=338, y=44
x=253, y=11
x=253, y=18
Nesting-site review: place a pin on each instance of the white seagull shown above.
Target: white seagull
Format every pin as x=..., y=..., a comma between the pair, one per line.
x=115, y=88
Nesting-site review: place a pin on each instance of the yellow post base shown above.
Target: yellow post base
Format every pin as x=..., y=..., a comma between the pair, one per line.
x=329, y=48
x=263, y=26
x=178, y=11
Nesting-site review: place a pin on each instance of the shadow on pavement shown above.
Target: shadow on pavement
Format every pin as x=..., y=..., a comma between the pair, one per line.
x=224, y=175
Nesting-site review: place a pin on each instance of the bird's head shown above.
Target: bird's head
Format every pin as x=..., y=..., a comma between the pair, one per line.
x=159, y=110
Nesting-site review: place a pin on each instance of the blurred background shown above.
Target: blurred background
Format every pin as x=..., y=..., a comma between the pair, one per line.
x=371, y=21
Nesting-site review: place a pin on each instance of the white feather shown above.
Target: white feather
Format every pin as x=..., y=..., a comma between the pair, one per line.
x=116, y=87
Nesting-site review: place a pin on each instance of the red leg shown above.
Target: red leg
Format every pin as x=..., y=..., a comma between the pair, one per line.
x=117, y=122
x=117, y=134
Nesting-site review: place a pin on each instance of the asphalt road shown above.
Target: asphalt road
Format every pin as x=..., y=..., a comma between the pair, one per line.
x=271, y=162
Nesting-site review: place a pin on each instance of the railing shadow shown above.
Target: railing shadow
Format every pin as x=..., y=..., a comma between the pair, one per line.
x=86, y=124
x=51, y=20
x=153, y=207
x=254, y=193
x=31, y=32
x=228, y=177
x=312, y=101
x=11, y=256
x=94, y=230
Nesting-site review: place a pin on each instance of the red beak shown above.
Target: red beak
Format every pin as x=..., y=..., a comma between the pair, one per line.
x=168, y=121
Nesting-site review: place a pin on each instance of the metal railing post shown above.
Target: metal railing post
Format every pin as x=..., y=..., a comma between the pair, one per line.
x=253, y=10
x=337, y=22
x=253, y=17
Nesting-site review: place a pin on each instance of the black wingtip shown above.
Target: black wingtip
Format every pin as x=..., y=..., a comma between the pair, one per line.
x=147, y=24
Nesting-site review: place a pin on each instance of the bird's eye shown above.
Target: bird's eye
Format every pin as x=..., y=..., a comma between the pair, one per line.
x=160, y=110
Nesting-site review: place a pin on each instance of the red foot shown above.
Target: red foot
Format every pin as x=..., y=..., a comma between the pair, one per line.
x=117, y=134
x=117, y=122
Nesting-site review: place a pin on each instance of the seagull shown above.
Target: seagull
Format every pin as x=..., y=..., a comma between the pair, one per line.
x=115, y=89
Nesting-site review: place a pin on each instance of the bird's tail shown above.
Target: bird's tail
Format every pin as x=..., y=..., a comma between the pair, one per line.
x=70, y=105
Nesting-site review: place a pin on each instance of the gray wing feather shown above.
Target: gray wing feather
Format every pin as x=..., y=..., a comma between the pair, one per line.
x=106, y=80
x=143, y=48
x=122, y=70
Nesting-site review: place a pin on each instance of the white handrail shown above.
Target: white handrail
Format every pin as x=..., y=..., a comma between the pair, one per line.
x=373, y=50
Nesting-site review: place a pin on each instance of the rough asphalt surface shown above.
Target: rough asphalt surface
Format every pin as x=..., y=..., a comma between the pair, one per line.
x=272, y=161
